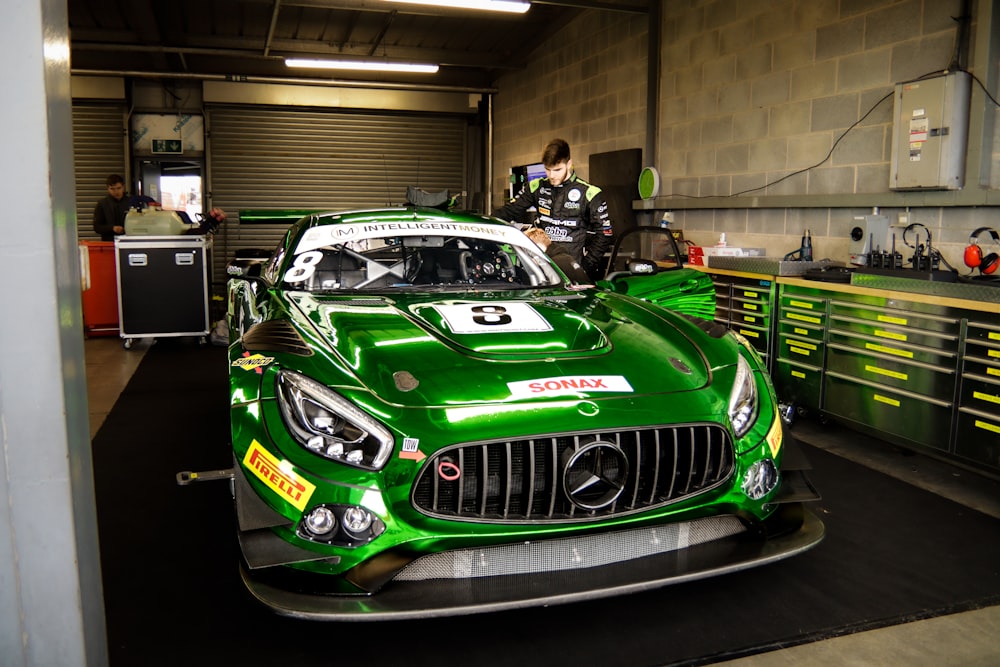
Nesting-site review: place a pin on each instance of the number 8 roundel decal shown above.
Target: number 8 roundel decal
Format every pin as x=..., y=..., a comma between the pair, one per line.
x=473, y=318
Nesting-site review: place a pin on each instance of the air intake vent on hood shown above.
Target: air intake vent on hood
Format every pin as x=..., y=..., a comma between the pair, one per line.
x=275, y=336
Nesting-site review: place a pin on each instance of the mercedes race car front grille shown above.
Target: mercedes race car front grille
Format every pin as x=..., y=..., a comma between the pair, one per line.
x=574, y=477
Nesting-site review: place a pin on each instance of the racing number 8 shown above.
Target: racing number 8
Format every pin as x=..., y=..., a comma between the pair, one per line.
x=491, y=315
x=303, y=267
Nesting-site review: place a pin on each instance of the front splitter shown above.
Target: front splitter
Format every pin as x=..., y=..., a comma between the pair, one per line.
x=446, y=597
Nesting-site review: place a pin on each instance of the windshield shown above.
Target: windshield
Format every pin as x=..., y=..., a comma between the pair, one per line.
x=390, y=258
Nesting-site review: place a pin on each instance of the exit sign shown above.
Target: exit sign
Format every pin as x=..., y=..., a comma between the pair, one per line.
x=167, y=147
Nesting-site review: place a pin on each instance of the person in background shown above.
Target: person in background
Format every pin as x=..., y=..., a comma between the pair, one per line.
x=559, y=255
x=571, y=211
x=110, y=212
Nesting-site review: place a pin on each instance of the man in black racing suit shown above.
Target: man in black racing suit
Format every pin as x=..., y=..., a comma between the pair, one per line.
x=572, y=212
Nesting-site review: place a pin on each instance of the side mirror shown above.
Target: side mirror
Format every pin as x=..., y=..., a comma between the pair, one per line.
x=641, y=267
x=247, y=263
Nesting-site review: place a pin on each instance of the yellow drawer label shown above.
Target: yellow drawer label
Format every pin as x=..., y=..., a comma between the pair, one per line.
x=993, y=335
x=796, y=343
x=803, y=318
x=882, y=333
x=892, y=320
x=751, y=294
x=749, y=318
x=993, y=371
x=986, y=426
x=801, y=332
x=799, y=350
x=994, y=353
x=886, y=372
x=750, y=306
x=801, y=304
x=885, y=399
x=799, y=374
x=754, y=334
x=889, y=350
x=986, y=397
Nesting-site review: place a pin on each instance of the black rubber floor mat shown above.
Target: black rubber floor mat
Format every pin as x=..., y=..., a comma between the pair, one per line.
x=892, y=553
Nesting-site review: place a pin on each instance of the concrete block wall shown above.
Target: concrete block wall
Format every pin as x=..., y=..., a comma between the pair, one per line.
x=769, y=97
x=587, y=85
x=794, y=97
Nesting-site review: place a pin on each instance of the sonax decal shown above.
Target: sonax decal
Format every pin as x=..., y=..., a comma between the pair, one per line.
x=571, y=384
x=279, y=478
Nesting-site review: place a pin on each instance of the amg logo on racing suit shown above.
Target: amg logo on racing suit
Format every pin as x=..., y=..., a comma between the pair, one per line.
x=576, y=384
x=280, y=479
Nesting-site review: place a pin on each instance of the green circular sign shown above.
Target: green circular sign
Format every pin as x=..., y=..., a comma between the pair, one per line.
x=649, y=182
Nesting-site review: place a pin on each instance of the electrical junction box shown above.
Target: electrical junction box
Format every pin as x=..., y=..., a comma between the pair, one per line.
x=930, y=130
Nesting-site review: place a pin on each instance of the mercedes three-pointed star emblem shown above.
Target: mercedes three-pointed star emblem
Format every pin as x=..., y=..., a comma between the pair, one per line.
x=594, y=475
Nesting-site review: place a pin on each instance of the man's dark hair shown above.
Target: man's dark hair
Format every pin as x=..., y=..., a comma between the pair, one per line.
x=114, y=179
x=555, y=152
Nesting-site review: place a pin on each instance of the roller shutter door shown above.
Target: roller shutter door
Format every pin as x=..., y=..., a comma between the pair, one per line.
x=98, y=150
x=286, y=158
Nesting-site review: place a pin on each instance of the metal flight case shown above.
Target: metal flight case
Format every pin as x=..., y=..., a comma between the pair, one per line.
x=163, y=286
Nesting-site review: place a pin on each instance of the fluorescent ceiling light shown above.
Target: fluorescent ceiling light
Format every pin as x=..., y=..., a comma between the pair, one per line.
x=511, y=6
x=367, y=65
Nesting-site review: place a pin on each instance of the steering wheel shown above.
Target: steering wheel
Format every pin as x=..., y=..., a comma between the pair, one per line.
x=483, y=267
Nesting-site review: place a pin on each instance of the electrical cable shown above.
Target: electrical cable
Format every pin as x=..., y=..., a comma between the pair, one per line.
x=838, y=140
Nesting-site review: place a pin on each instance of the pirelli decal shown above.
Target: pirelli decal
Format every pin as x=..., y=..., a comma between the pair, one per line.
x=278, y=477
x=774, y=437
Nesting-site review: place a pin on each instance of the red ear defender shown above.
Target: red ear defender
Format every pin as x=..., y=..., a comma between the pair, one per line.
x=974, y=257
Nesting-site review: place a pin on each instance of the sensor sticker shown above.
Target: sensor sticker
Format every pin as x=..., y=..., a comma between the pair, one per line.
x=411, y=450
x=278, y=476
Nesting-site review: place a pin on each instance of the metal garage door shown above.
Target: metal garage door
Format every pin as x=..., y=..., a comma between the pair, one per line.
x=98, y=150
x=287, y=158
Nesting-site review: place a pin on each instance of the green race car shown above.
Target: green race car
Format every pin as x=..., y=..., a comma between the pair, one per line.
x=429, y=418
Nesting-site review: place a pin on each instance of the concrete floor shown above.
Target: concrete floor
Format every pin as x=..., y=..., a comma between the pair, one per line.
x=967, y=639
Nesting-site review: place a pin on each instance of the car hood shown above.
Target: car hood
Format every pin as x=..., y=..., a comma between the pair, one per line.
x=434, y=351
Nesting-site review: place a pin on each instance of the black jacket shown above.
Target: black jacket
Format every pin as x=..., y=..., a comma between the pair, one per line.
x=574, y=214
x=108, y=213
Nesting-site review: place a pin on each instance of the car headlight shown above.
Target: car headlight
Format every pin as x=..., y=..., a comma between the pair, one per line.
x=330, y=426
x=743, y=399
